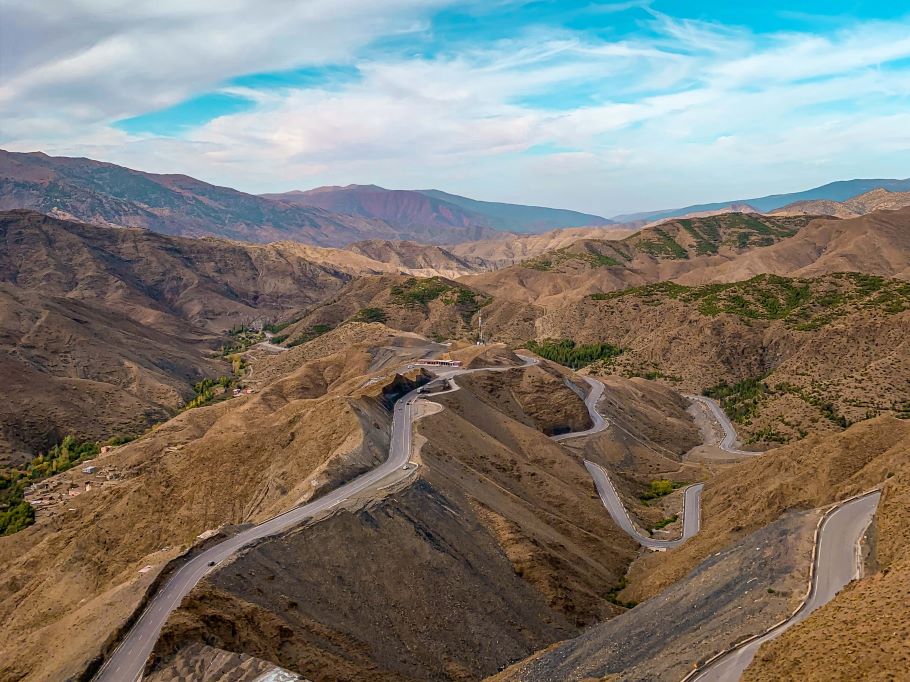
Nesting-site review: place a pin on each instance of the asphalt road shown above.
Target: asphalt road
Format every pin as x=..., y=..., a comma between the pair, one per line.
x=614, y=505
x=608, y=494
x=128, y=660
x=836, y=564
x=728, y=442
x=591, y=400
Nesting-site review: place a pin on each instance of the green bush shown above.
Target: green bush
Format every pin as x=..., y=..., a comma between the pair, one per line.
x=567, y=352
x=419, y=291
x=740, y=400
x=15, y=512
x=659, y=488
x=663, y=523
x=370, y=315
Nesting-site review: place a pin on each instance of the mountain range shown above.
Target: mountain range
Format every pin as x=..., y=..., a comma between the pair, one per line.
x=107, y=194
x=799, y=324
x=833, y=191
x=436, y=209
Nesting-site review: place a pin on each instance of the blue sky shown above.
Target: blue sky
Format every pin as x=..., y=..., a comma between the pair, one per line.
x=600, y=106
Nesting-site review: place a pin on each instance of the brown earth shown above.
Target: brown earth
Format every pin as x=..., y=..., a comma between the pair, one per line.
x=70, y=368
x=739, y=591
x=714, y=590
x=450, y=314
x=504, y=252
x=875, y=200
x=818, y=470
x=420, y=259
x=864, y=632
x=501, y=547
x=74, y=575
x=664, y=252
x=106, y=330
x=202, y=663
x=724, y=248
x=874, y=244
x=845, y=346
x=158, y=280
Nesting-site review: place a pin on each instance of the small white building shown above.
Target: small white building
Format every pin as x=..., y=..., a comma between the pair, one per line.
x=89, y=469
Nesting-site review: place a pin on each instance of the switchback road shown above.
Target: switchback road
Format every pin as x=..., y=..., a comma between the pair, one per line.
x=611, y=499
x=728, y=442
x=128, y=660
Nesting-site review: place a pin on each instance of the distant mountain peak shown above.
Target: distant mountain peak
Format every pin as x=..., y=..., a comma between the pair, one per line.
x=436, y=208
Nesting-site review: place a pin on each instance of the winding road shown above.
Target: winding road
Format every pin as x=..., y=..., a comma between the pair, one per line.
x=728, y=442
x=607, y=491
x=836, y=563
x=127, y=662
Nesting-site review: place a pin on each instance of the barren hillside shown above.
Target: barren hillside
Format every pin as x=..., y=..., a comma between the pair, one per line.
x=238, y=461
x=786, y=356
x=725, y=248
x=865, y=628
x=500, y=547
x=874, y=200
x=747, y=569
x=665, y=251
x=503, y=252
x=76, y=369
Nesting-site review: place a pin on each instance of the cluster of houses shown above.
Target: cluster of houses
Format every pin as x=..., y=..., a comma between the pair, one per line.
x=43, y=495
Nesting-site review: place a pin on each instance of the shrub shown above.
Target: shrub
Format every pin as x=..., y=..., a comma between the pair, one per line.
x=567, y=352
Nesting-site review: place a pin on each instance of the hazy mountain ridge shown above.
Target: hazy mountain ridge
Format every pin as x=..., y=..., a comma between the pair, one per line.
x=840, y=190
x=437, y=209
x=875, y=200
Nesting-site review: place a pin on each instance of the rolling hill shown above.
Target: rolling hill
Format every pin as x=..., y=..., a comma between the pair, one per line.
x=105, y=330
x=665, y=251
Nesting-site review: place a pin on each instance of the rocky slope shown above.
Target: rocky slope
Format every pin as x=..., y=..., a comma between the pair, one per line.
x=498, y=253
x=748, y=568
x=156, y=279
x=105, y=330
x=863, y=632
x=500, y=547
x=666, y=251
x=436, y=307
x=787, y=355
x=420, y=259
x=72, y=368
x=237, y=461
x=725, y=248
x=791, y=355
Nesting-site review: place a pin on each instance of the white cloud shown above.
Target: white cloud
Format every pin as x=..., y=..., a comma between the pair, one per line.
x=696, y=112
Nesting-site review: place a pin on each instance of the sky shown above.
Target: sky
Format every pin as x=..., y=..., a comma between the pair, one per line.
x=605, y=107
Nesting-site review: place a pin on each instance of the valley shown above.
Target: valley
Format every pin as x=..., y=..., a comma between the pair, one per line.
x=594, y=452
x=454, y=341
